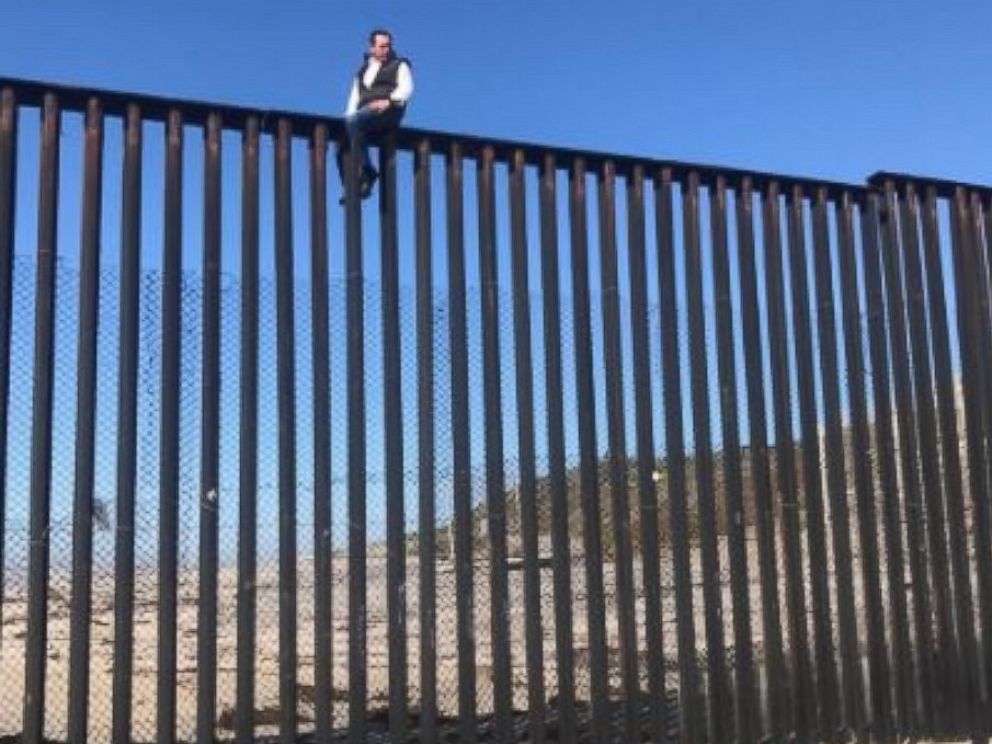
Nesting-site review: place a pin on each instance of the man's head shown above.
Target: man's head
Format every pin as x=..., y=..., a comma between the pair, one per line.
x=380, y=44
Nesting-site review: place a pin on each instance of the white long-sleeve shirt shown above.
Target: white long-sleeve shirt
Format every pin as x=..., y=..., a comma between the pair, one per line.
x=402, y=93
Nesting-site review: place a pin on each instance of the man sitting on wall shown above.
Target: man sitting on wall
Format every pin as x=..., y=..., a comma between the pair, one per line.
x=379, y=96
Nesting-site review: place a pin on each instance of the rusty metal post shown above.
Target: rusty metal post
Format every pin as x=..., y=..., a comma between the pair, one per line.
x=969, y=670
x=393, y=398
x=493, y=417
x=690, y=697
x=719, y=701
x=946, y=660
x=286, y=397
x=881, y=722
x=426, y=445
x=8, y=209
x=557, y=479
x=826, y=672
x=733, y=482
x=323, y=627
x=127, y=426
x=357, y=491
x=524, y=365
x=646, y=458
x=169, y=430
x=980, y=258
x=774, y=665
x=86, y=370
x=930, y=695
x=972, y=371
x=980, y=342
x=206, y=691
x=801, y=673
x=852, y=690
x=881, y=391
x=461, y=462
x=35, y=646
x=616, y=439
x=248, y=457
x=589, y=456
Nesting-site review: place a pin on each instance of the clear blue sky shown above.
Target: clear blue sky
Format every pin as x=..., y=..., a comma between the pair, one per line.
x=836, y=89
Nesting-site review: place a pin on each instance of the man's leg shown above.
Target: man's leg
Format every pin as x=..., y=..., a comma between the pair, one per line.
x=376, y=130
x=356, y=125
x=359, y=126
x=340, y=155
x=388, y=120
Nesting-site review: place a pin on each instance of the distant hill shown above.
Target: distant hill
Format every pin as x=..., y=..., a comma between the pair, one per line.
x=661, y=489
x=662, y=493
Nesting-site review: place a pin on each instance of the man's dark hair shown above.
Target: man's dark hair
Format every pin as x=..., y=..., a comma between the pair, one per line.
x=379, y=32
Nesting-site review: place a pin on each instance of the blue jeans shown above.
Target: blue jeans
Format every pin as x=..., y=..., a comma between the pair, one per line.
x=360, y=126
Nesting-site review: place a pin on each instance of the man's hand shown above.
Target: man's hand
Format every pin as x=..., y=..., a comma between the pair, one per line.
x=379, y=106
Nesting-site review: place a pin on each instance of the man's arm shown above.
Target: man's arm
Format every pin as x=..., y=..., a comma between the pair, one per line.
x=352, y=106
x=404, y=85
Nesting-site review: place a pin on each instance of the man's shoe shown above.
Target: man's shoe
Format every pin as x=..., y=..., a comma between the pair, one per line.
x=365, y=186
x=368, y=183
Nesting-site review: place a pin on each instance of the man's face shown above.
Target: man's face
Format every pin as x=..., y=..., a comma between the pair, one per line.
x=380, y=47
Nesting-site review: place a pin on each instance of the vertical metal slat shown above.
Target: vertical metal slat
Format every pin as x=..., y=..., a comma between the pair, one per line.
x=894, y=559
x=585, y=401
x=880, y=723
x=425, y=443
x=323, y=628
x=395, y=511
x=35, y=646
x=969, y=670
x=646, y=459
x=691, y=725
x=206, y=697
x=616, y=438
x=719, y=702
x=981, y=343
x=560, y=543
x=169, y=432
x=525, y=433
x=8, y=208
x=41, y=425
x=774, y=664
x=248, y=451
x=852, y=689
x=946, y=661
x=82, y=528
x=357, y=575
x=826, y=672
x=495, y=480
x=286, y=399
x=801, y=673
x=461, y=463
x=127, y=427
x=909, y=461
x=733, y=483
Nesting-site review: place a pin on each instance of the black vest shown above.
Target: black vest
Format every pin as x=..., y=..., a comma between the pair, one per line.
x=384, y=83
